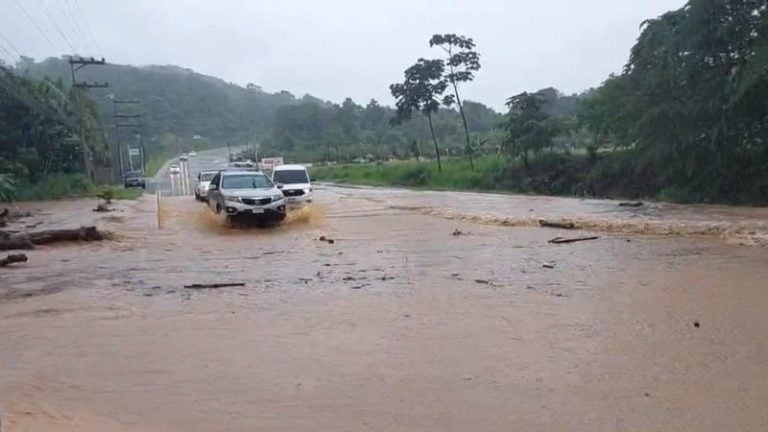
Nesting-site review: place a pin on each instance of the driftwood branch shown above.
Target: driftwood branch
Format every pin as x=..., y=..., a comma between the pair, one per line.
x=561, y=225
x=563, y=240
x=12, y=259
x=6, y=216
x=30, y=240
x=214, y=285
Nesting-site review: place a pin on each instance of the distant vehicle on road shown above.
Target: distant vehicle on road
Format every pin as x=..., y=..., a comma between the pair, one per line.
x=174, y=169
x=192, y=154
x=134, y=180
x=203, y=181
x=184, y=157
x=243, y=164
x=246, y=194
x=295, y=182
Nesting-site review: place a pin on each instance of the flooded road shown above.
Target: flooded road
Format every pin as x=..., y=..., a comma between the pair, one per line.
x=396, y=326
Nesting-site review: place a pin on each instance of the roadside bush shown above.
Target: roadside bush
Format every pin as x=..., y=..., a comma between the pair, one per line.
x=7, y=188
x=415, y=175
x=58, y=186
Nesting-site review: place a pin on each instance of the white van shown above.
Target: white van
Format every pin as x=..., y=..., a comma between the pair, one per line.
x=294, y=182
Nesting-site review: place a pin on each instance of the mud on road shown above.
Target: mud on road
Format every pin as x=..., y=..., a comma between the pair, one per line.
x=396, y=325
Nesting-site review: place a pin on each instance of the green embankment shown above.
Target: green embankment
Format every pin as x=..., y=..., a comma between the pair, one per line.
x=60, y=186
x=608, y=176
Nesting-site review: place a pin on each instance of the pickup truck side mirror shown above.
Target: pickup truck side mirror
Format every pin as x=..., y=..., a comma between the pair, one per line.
x=279, y=185
x=213, y=187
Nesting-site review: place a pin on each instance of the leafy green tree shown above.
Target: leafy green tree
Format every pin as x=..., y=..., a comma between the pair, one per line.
x=38, y=129
x=420, y=90
x=415, y=149
x=526, y=126
x=691, y=101
x=462, y=62
x=7, y=188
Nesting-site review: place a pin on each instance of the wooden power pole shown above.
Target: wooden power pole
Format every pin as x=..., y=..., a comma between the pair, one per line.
x=126, y=121
x=75, y=64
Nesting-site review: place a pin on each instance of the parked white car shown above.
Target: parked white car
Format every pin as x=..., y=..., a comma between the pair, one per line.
x=174, y=169
x=295, y=183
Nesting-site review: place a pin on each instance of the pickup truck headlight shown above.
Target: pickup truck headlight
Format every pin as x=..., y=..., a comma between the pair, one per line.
x=231, y=198
x=306, y=191
x=276, y=198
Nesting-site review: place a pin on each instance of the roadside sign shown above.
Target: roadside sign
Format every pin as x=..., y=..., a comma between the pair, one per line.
x=269, y=163
x=134, y=152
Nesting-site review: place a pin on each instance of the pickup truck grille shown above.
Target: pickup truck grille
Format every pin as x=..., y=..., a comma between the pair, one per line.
x=256, y=201
x=293, y=192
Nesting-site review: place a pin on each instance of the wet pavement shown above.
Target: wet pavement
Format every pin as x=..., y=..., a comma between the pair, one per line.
x=398, y=325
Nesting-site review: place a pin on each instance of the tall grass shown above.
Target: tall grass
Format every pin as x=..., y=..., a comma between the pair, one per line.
x=456, y=174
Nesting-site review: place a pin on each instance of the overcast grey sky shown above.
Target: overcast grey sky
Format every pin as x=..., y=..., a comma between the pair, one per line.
x=341, y=48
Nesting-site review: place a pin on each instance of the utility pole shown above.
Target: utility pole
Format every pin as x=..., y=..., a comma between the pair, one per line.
x=120, y=122
x=75, y=64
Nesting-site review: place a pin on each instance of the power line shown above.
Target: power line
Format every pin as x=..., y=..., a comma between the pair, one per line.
x=10, y=44
x=59, y=9
x=32, y=20
x=68, y=6
x=88, y=28
x=56, y=25
x=5, y=50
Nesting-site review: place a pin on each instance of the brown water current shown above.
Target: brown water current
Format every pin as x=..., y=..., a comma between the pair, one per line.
x=398, y=325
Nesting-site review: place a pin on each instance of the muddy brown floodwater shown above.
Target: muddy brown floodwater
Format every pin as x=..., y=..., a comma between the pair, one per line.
x=660, y=325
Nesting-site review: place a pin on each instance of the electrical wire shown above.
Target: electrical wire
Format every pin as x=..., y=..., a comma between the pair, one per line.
x=71, y=10
x=10, y=56
x=32, y=20
x=88, y=28
x=56, y=25
x=10, y=44
x=68, y=24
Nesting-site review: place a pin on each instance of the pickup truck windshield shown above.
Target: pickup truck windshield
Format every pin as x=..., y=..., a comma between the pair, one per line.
x=246, y=181
x=290, y=176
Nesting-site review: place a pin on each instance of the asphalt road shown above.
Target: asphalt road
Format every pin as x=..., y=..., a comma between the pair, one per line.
x=183, y=184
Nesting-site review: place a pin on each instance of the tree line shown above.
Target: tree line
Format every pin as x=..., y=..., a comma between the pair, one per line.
x=41, y=123
x=685, y=119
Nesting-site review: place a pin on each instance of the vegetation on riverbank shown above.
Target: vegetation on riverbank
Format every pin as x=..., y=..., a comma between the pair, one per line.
x=686, y=120
x=608, y=175
x=59, y=186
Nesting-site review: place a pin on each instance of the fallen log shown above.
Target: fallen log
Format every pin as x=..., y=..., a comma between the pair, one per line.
x=29, y=240
x=631, y=204
x=12, y=259
x=214, y=285
x=561, y=225
x=563, y=240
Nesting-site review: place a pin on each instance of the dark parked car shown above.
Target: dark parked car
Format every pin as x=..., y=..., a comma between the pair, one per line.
x=134, y=180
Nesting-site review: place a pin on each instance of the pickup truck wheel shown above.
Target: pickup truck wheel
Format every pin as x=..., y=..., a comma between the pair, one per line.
x=218, y=208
